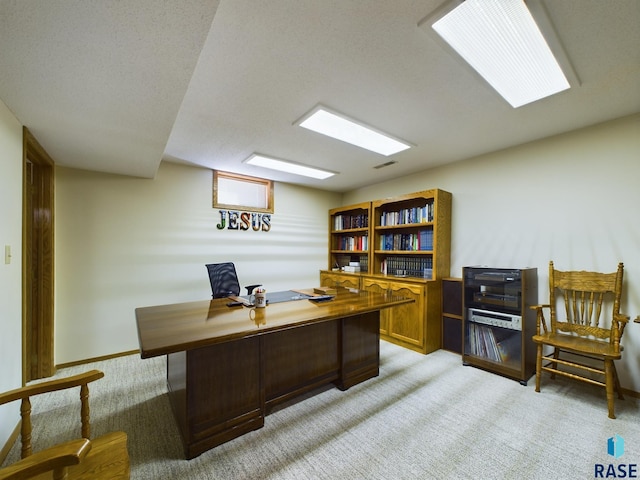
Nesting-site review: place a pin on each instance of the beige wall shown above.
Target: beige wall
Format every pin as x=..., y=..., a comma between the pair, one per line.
x=123, y=243
x=10, y=274
x=573, y=199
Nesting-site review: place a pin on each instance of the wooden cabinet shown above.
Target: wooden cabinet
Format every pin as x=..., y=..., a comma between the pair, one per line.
x=498, y=323
x=407, y=252
x=415, y=325
x=349, y=238
x=452, y=314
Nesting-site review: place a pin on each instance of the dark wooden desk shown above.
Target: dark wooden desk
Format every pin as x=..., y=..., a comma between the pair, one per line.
x=228, y=367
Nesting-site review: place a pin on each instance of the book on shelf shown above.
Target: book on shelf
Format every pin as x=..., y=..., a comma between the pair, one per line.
x=349, y=221
x=408, y=215
x=353, y=242
x=421, y=267
x=420, y=241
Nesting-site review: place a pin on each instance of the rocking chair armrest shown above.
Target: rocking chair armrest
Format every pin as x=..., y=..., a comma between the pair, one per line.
x=50, y=386
x=540, y=320
x=54, y=458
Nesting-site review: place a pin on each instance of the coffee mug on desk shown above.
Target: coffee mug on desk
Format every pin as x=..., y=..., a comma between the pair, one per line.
x=259, y=298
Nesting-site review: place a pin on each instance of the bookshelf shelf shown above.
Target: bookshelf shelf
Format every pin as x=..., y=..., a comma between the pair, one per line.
x=404, y=252
x=498, y=323
x=350, y=230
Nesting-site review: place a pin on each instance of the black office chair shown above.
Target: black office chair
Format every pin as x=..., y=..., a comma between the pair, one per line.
x=224, y=280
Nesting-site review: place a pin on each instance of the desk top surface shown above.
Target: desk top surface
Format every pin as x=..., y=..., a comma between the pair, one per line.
x=179, y=327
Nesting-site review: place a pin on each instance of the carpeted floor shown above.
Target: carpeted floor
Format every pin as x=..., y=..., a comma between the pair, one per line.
x=424, y=417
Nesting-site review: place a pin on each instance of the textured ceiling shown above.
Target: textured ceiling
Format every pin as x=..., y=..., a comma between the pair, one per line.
x=119, y=86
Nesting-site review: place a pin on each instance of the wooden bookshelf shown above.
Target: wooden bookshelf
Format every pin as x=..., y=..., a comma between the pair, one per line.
x=408, y=253
x=412, y=235
x=349, y=236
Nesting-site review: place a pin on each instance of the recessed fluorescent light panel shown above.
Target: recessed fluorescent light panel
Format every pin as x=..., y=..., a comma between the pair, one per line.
x=502, y=42
x=281, y=165
x=332, y=124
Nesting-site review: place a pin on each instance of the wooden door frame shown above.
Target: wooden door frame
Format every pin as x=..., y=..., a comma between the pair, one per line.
x=41, y=284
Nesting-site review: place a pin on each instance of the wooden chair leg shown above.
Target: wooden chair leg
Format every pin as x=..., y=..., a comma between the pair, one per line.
x=610, y=382
x=538, y=366
x=554, y=365
x=615, y=376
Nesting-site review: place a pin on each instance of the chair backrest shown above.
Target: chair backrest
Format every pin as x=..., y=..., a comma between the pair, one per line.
x=224, y=280
x=591, y=302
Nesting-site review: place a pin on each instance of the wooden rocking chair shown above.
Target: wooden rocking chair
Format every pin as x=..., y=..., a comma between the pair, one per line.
x=103, y=458
x=584, y=331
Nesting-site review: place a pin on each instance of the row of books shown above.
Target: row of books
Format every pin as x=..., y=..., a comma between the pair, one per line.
x=483, y=343
x=421, y=267
x=355, y=242
x=347, y=221
x=422, y=240
x=408, y=215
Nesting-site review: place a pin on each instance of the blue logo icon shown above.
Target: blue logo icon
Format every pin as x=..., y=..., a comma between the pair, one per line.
x=615, y=446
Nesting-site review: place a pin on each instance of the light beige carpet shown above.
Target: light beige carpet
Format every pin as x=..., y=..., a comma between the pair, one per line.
x=424, y=417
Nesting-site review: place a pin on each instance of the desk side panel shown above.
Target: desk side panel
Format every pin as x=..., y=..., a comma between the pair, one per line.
x=225, y=396
x=360, y=339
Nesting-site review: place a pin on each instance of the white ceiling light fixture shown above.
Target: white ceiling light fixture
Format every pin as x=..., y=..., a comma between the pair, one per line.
x=288, y=167
x=327, y=122
x=501, y=40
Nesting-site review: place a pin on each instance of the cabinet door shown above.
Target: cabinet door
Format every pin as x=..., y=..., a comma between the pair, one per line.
x=407, y=322
x=339, y=280
x=348, y=281
x=374, y=285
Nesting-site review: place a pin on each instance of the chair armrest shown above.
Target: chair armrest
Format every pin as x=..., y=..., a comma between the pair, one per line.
x=620, y=321
x=50, y=386
x=538, y=307
x=54, y=458
x=540, y=321
x=251, y=288
x=620, y=317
